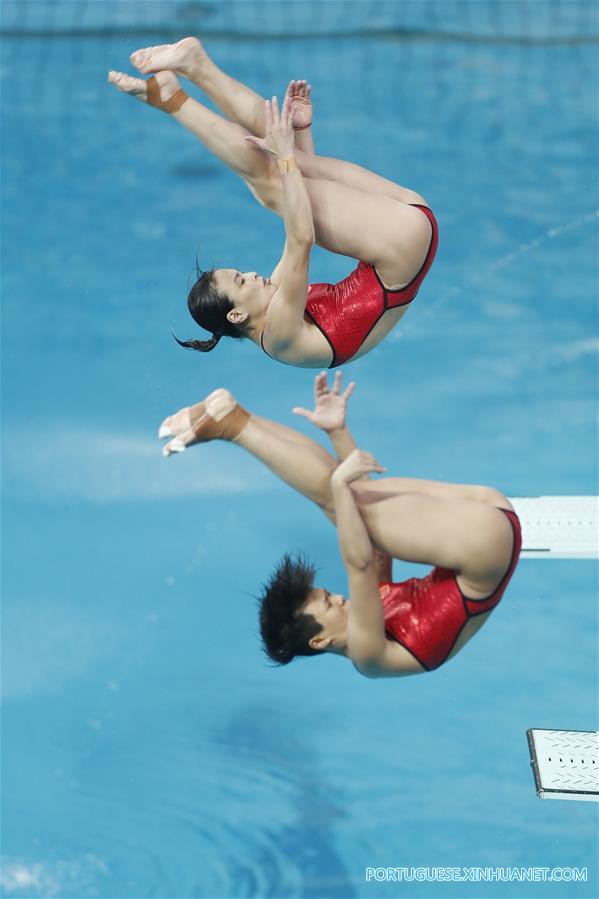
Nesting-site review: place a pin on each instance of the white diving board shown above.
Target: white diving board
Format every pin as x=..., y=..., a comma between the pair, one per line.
x=558, y=527
x=565, y=763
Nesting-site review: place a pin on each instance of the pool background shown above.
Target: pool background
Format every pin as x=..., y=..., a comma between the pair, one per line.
x=148, y=748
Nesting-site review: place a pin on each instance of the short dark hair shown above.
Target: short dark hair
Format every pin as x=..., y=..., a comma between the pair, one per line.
x=285, y=629
x=208, y=307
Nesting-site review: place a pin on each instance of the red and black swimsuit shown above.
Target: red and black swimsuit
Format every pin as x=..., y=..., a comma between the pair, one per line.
x=426, y=615
x=346, y=312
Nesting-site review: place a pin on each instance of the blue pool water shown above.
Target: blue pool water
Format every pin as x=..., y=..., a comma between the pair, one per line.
x=148, y=749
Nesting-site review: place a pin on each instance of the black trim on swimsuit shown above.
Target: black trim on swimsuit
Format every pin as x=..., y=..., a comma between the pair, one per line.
x=274, y=358
x=467, y=599
x=394, y=639
x=449, y=651
x=326, y=337
x=451, y=648
x=388, y=290
x=385, y=290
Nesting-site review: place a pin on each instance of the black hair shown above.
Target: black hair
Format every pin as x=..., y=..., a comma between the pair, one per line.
x=285, y=629
x=208, y=307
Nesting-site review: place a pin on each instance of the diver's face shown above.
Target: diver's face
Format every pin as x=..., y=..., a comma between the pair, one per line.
x=330, y=611
x=249, y=292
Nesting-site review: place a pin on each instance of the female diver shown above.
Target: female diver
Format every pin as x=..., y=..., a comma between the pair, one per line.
x=342, y=207
x=471, y=535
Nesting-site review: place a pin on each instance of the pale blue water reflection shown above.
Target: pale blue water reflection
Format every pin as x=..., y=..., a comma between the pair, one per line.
x=148, y=748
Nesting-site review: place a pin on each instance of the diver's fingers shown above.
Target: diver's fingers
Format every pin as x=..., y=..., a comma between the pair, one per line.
x=349, y=390
x=306, y=413
x=321, y=386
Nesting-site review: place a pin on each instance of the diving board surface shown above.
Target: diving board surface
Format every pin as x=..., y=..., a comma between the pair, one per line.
x=558, y=527
x=565, y=763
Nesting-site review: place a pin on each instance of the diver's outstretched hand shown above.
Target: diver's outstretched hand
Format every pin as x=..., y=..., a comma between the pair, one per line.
x=300, y=104
x=329, y=405
x=278, y=134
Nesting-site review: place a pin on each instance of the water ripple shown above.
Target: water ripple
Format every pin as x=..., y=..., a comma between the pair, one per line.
x=242, y=812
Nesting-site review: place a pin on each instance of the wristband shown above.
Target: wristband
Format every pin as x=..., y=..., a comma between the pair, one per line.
x=287, y=165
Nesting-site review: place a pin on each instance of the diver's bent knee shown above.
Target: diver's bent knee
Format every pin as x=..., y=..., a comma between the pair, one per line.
x=267, y=191
x=329, y=511
x=255, y=192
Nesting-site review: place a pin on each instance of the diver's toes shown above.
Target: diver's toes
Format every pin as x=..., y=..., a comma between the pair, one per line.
x=165, y=429
x=139, y=59
x=175, y=446
x=136, y=87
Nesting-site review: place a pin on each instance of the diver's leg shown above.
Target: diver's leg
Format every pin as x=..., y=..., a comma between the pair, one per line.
x=236, y=100
x=223, y=138
x=243, y=105
x=303, y=464
x=189, y=59
x=472, y=538
x=327, y=168
x=390, y=235
x=296, y=459
x=383, y=488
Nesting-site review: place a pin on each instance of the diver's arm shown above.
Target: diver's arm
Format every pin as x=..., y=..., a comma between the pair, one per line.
x=329, y=413
x=286, y=311
x=304, y=141
x=301, y=114
x=275, y=276
x=297, y=209
x=344, y=444
x=279, y=141
x=285, y=315
x=366, y=624
x=354, y=541
x=342, y=441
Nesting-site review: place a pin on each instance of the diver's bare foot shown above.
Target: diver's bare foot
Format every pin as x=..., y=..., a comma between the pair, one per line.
x=199, y=423
x=185, y=57
x=137, y=87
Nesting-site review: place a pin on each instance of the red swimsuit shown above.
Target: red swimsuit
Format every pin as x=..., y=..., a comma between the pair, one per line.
x=426, y=615
x=347, y=312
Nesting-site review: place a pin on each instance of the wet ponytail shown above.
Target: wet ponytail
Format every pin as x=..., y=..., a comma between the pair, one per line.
x=209, y=309
x=204, y=346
